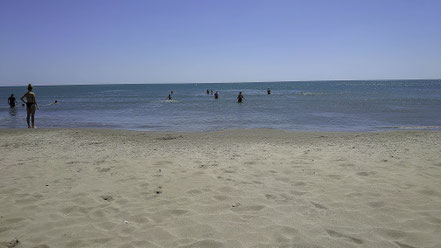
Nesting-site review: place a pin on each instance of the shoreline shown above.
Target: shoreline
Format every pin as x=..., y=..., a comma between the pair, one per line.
x=230, y=188
x=99, y=129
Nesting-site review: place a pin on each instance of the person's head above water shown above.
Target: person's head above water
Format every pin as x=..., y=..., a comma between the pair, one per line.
x=12, y=95
x=29, y=87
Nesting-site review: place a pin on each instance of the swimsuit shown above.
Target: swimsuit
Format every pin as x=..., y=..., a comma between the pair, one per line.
x=29, y=104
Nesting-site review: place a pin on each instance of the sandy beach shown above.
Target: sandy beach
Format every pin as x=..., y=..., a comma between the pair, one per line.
x=238, y=188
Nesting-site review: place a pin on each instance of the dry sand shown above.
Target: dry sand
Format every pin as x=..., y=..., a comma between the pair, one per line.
x=246, y=188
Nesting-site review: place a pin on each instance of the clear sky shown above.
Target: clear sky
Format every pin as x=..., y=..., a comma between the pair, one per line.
x=162, y=41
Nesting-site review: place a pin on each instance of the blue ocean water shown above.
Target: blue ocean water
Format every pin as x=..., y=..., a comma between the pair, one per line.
x=313, y=106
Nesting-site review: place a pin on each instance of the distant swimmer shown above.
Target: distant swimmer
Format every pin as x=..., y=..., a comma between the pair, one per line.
x=240, y=97
x=216, y=95
x=53, y=103
x=208, y=92
x=211, y=92
x=171, y=92
x=169, y=96
x=268, y=91
x=31, y=105
x=12, y=101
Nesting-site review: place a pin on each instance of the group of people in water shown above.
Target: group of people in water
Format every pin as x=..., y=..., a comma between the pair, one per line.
x=216, y=94
x=32, y=106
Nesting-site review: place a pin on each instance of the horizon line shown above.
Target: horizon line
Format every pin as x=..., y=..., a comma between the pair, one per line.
x=238, y=82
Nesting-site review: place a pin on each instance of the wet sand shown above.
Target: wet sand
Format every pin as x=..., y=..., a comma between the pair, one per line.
x=238, y=188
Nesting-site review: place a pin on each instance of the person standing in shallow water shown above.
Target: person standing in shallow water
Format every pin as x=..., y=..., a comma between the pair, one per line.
x=12, y=101
x=31, y=105
x=240, y=97
x=208, y=92
x=268, y=91
x=216, y=95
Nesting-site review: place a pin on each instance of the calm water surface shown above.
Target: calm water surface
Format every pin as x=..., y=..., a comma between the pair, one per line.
x=313, y=106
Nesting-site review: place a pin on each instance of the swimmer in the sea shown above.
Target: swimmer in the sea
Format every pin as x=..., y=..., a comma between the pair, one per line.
x=55, y=102
x=216, y=95
x=240, y=97
x=169, y=96
x=268, y=91
x=31, y=105
x=12, y=101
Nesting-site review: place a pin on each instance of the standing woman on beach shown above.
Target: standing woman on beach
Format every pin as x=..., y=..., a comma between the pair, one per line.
x=31, y=105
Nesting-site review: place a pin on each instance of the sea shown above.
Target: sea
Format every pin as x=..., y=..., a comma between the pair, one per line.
x=348, y=106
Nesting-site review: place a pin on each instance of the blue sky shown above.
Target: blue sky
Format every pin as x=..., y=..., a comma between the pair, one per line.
x=105, y=41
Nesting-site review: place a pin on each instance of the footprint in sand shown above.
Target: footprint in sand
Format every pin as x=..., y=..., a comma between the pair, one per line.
x=13, y=221
x=102, y=169
x=108, y=198
x=378, y=204
x=254, y=208
x=235, y=205
x=317, y=205
x=194, y=192
x=391, y=233
x=337, y=177
x=163, y=162
x=300, y=184
x=250, y=163
x=99, y=162
x=335, y=234
x=144, y=185
x=402, y=245
x=204, y=243
x=365, y=174
x=345, y=165
x=221, y=197
x=299, y=193
x=226, y=189
x=430, y=192
x=177, y=212
x=10, y=244
x=3, y=229
x=269, y=196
